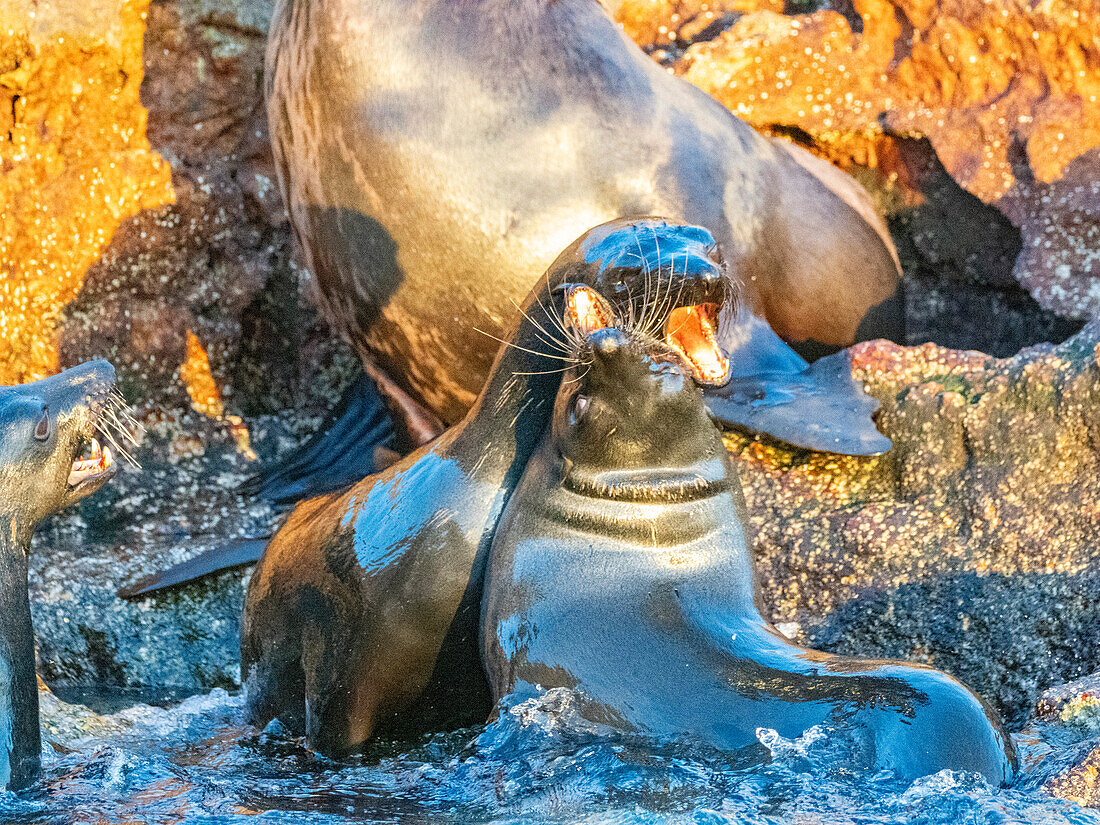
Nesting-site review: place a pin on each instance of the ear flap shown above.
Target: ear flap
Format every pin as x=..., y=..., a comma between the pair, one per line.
x=773, y=391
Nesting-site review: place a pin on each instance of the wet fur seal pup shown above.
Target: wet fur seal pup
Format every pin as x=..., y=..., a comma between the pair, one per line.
x=435, y=156
x=674, y=273
x=363, y=611
x=45, y=427
x=621, y=569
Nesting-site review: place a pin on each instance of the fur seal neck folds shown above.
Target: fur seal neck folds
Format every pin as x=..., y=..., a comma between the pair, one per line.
x=364, y=608
x=45, y=428
x=620, y=569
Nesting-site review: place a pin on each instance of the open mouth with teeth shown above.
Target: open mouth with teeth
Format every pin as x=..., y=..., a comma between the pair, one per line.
x=94, y=470
x=693, y=332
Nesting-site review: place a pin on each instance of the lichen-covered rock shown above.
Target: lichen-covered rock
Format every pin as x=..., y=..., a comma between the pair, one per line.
x=972, y=545
x=1007, y=93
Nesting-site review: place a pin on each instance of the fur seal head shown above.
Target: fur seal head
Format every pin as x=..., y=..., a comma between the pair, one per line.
x=50, y=457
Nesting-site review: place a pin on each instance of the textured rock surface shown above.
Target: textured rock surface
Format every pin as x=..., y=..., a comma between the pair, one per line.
x=1062, y=741
x=1006, y=93
x=183, y=501
x=133, y=226
x=74, y=161
x=973, y=544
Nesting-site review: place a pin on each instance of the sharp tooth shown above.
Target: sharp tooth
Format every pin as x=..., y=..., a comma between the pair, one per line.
x=97, y=451
x=107, y=457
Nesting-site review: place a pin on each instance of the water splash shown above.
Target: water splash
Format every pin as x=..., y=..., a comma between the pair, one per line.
x=542, y=760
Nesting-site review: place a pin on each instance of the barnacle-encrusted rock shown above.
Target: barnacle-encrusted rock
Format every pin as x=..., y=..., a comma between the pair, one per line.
x=1008, y=94
x=1062, y=741
x=972, y=544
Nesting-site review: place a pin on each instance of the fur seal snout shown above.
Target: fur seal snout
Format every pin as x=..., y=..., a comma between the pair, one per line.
x=643, y=600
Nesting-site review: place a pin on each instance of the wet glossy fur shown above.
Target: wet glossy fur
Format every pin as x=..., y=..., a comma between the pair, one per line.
x=435, y=157
x=35, y=461
x=621, y=569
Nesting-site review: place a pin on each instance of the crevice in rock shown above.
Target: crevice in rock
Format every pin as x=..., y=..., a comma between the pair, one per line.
x=958, y=254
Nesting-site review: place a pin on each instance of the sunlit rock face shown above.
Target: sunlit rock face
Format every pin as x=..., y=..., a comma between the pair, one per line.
x=74, y=161
x=139, y=210
x=972, y=544
x=1005, y=92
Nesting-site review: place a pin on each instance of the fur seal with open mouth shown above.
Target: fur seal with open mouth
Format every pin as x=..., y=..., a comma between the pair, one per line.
x=673, y=274
x=621, y=569
x=363, y=611
x=435, y=156
x=45, y=427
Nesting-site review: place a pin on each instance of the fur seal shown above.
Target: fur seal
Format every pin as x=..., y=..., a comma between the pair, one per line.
x=364, y=608
x=435, y=157
x=44, y=428
x=673, y=273
x=621, y=569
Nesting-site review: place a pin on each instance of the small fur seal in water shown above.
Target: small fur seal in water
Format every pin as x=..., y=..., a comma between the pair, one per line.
x=45, y=427
x=621, y=570
x=435, y=158
x=363, y=611
x=673, y=273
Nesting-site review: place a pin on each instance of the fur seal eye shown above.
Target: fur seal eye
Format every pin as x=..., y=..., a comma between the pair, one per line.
x=580, y=405
x=42, y=428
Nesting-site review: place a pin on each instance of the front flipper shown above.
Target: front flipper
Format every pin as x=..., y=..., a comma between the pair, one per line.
x=773, y=391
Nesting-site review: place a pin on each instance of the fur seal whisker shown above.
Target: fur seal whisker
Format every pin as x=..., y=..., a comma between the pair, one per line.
x=522, y=349
x=542, y=334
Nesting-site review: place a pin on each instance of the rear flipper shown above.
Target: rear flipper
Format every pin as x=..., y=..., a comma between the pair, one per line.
x=224, y=557
x=360, y=438
x=773, y=391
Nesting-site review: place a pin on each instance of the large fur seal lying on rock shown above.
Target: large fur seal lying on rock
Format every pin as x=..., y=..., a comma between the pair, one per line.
x=44, y=429
x=620, y=569
x=435, y=157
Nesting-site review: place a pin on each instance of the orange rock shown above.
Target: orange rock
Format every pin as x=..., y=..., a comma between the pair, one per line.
x=75, y=163
x=1006, y=92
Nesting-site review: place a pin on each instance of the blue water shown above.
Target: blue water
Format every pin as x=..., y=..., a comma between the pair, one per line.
x=539, y=763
